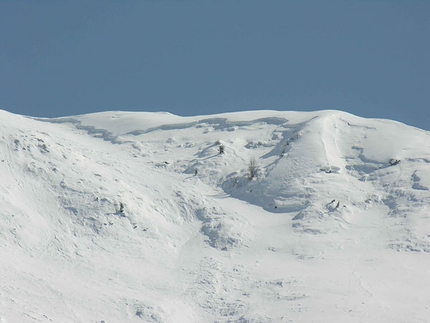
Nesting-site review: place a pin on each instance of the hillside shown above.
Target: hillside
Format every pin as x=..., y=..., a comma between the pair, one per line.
x=137, y=217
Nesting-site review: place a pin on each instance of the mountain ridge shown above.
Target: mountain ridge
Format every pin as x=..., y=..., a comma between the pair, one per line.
x=138, y=217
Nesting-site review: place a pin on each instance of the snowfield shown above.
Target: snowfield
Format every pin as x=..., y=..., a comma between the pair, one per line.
x=137, y=217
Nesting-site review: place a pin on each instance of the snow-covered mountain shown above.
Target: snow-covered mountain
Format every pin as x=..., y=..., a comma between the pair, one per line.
x=138, y=217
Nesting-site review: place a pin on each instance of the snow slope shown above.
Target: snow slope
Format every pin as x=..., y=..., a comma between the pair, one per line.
x=136, y=217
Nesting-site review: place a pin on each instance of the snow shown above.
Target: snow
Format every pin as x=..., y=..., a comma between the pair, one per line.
x=136, y=217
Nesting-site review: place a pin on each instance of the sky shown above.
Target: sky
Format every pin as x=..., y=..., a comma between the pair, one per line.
x=369, y=58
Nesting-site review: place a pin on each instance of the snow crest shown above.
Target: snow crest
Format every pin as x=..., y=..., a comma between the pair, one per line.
x=151, y=217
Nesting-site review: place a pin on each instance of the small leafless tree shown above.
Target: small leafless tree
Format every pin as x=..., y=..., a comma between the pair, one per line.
x=252, y=168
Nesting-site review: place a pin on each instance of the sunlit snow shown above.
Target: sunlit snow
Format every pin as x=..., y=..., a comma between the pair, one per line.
x=137, y=217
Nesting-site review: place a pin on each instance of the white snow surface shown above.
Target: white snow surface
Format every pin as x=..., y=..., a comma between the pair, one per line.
x=137, y=217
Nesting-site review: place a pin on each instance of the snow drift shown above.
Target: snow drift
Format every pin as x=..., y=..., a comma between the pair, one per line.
x=138, y=217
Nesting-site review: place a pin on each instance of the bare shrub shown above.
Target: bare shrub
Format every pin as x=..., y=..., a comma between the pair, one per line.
x=252, y=168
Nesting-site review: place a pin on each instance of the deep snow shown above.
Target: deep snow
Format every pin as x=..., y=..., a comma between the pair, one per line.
x=136, y=217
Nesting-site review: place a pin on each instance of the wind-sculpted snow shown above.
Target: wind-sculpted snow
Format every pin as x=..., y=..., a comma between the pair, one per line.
x=151, y=217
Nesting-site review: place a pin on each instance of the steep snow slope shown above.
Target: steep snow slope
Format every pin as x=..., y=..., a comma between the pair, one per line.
x=136, y=217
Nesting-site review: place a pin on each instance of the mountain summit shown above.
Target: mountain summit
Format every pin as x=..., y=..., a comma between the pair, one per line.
x=260, y=216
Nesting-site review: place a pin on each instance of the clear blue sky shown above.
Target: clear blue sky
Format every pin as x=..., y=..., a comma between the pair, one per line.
x=369, y=58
